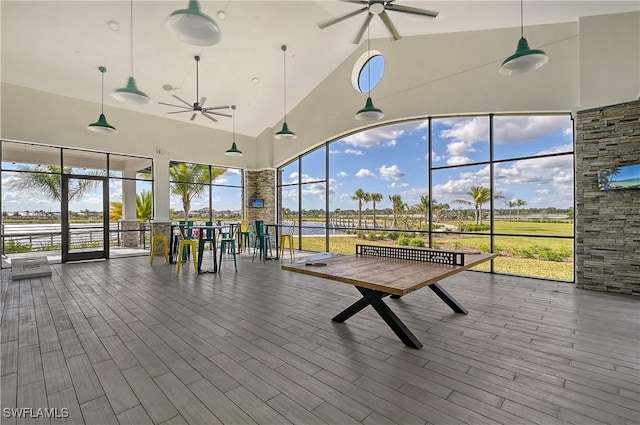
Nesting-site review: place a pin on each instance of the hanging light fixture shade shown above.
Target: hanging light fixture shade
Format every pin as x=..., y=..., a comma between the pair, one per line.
x=285, y=133
x=130, y=93
x=369, y=112
x=191, y=26
x=102, y=126
x=233, y=150
x=524, y=59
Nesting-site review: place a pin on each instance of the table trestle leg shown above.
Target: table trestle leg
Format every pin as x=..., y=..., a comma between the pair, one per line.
x=374, y=299
x=448, y=299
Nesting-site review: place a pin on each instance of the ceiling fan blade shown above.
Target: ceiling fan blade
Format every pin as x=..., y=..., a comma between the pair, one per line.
x=180, y=112
x=211, y=108
x=343, y=17
x=413, y=10
x=216, y=113
x=210, y=117
x=183, y=101
x=363, y=28
x=175, y=106
x=193, y=117
x=202, y=100
x=387, y=21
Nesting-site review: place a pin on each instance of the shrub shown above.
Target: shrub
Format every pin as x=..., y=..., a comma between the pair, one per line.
x=476, y=227
x=13, y=247
x=403, y=241
x=393, y=235
x=419, y=242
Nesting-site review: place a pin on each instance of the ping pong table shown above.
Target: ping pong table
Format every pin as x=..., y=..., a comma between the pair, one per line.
x=380, y=271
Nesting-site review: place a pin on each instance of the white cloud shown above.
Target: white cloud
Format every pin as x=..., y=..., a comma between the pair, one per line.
x=458, y=160
x=353, y=151
x=398, y=185
x=542, y=191
x=374, y=137
x=233, y=171
x=390, y=173
x=391, y=143
x=332, y=151
x=467, y=130
x=364, y=173
x=341, y=174
x=518, y=129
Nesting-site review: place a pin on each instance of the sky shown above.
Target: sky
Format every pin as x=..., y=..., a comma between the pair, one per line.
x=394, y=160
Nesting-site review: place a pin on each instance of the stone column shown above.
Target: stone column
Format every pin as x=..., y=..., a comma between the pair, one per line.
x=261, y=185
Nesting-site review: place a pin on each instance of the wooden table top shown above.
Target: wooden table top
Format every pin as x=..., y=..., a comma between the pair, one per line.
x=390, y=275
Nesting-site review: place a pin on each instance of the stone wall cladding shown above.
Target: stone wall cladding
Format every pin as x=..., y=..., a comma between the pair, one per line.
x=161, y=228
x=261, y=185
x=607, y=222
x=130, y=239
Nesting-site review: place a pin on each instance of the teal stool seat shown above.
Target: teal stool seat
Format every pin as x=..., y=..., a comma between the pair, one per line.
x=261, y=241
x=230, y=245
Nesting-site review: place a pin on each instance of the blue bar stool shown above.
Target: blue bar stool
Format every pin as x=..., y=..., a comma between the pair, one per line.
x=228, y=244
x=262, y=239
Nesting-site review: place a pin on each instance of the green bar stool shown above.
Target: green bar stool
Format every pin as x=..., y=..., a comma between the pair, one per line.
x=228, y=244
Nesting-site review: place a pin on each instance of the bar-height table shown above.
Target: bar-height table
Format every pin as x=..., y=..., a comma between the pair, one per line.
x=207, y=233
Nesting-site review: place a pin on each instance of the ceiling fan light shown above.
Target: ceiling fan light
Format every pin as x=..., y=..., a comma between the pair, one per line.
x=193, y=27
x=233, y=150
x=130, y=94
x=369, y=112
x=285, y=133
x=102, y=126
x=523, y=60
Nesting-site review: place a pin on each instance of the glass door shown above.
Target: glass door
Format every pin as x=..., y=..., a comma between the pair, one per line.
x=85, y=218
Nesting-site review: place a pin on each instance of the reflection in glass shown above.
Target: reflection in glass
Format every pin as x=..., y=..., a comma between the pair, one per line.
x=530, y=135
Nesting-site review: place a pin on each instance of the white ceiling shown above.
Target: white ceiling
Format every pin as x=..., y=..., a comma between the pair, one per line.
x=57, y=46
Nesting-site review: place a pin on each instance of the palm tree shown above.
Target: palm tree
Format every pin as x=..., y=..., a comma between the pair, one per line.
x=143, y=206
x=480, y=195
x=510, y=204
x=47, y=180
x=423, y=208
x=375, y=198
x=519, y=203
x=397, y=207
x=360, y=196
x=191, y=180
x=115, y=210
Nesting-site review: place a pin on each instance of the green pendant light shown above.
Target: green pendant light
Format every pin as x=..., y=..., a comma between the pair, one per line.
x=233, y=150
x=369, y=112
x=285, y=133
x=102, y=126
x=524, y=59
x=191, y=26
x=130, y=93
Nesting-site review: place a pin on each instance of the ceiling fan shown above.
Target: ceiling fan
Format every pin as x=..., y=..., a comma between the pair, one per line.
x=380, y=8
x=198, y=106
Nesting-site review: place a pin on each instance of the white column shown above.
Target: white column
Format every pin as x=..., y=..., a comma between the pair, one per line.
x=161, y=189
x=129, y=196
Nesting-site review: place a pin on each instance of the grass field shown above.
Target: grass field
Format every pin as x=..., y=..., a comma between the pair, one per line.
x=549, y=258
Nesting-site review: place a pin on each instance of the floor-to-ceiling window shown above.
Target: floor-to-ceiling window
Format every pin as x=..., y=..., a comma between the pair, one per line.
x=202, y=192
x=33, y=177
x=500, y=183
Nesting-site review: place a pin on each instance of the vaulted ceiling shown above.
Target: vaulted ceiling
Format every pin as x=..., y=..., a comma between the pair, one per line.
x=57, y=46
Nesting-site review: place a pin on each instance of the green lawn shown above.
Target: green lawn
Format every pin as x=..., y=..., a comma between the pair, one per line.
x=544, y=258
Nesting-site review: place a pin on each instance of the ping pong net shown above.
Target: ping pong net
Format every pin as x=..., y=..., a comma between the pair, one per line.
x=416, y=254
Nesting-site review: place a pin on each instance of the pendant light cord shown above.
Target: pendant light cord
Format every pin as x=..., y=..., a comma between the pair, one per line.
x=102, y=94
x=131, y=16
x=197, y=78
x=521, y=21
x=284, y=53
x=369, y=61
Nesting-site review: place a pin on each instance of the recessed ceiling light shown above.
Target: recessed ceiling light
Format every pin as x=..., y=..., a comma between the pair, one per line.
x=255, y=80
x=113, y=25
x=222, y=15
x=177, y=90
x=167, y=87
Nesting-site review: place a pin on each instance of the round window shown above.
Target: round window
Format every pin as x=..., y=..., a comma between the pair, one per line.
x=368, y=71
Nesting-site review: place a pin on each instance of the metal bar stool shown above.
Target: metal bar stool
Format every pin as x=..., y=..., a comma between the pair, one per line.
x=262, y=240
x=228, y=244
x=155, y=241
x=288, y=237
x=191, y=248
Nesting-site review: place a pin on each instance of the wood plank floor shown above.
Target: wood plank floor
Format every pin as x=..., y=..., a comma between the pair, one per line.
x=120, y=342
